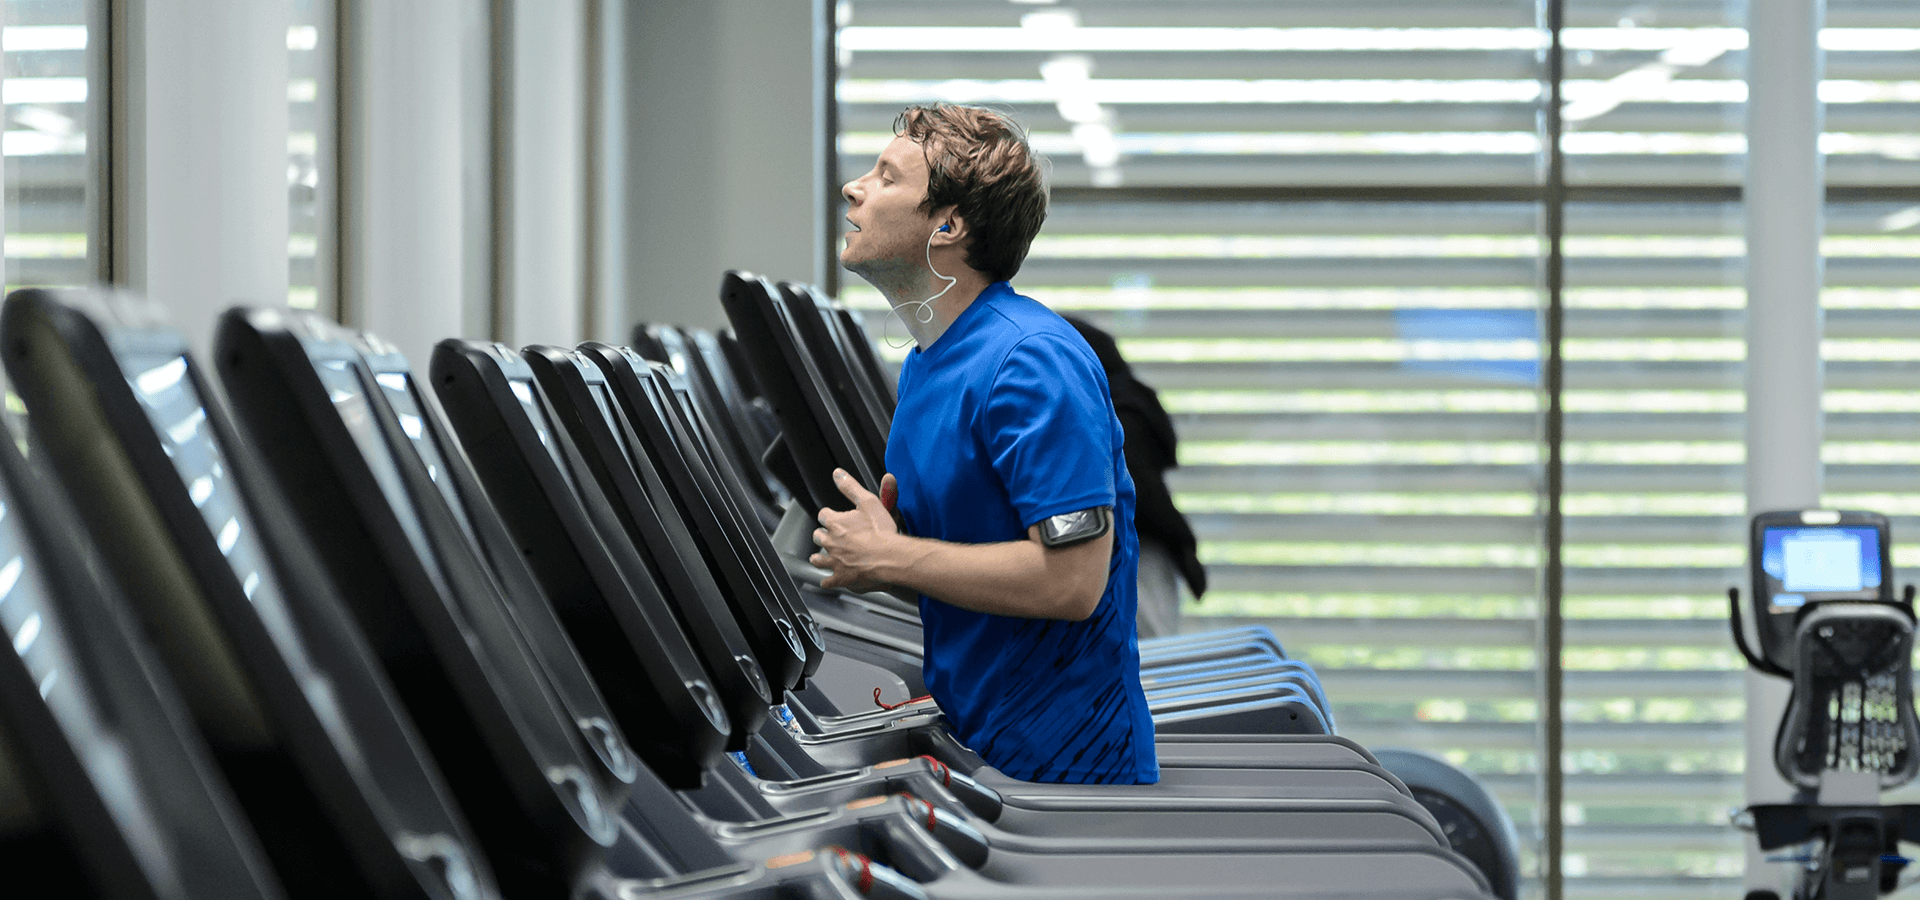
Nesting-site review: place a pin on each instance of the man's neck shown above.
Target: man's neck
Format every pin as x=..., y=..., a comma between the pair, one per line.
x=905, y=299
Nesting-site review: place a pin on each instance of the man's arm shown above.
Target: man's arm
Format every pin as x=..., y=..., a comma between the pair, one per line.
x=1014, y=578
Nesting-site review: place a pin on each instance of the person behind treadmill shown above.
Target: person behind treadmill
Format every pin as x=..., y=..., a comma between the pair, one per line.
x=1007, y=504
x=1168, y=548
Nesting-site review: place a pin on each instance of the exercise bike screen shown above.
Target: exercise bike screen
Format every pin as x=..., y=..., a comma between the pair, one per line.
x=1842, y=559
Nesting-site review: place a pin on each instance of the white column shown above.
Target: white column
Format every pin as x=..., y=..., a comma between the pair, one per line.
x=545, y=176
x=607, y=176
x=1784, y=193
x=415, y=194
x=199, y=155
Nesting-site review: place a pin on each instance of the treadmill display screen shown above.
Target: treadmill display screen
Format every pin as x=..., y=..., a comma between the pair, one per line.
x=179, y=418
x=32, y=627
x=349, y=396
x=1820, y=561
x=604, y=401
x=398, y=389
x=355, y=719
x=523, y=392
x=174, y=409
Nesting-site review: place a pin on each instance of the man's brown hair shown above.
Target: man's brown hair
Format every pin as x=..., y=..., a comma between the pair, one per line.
x=979, y=163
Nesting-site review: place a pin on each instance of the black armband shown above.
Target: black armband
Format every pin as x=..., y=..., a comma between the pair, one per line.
x=1068, y=529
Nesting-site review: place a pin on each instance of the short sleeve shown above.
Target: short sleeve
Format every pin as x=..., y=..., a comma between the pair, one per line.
x=1050, y=428
x=908, y=368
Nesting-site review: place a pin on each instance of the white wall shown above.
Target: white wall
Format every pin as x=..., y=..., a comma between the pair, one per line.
x=720, y=152
x=560, y=211
x=544, y=240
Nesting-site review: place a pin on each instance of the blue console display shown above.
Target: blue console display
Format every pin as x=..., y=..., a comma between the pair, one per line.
x=1823, y=560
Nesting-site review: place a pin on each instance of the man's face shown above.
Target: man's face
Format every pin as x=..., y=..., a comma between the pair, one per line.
x=889, y=231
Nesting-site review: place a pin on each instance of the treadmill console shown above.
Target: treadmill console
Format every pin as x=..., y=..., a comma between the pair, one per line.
x=1801, y=558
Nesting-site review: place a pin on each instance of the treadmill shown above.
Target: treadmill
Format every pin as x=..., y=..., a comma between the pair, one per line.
x=533, y=782
x=1319, y=868
x=718, y=397
x=284, y=689
x=162, y=474
x=109, y=792
x=656, y=390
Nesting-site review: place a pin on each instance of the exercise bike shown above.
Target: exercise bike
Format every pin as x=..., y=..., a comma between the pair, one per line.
x=1824, y=609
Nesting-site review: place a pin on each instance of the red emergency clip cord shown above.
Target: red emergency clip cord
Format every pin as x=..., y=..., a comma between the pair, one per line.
x=890, y=707
x=864, y=883
x=933, y=820
x=939, y=768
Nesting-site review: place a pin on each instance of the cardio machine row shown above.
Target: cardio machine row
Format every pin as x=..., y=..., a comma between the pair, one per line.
x=305, y=622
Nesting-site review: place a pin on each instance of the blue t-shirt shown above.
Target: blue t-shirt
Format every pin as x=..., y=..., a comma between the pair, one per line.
x=1003, y=422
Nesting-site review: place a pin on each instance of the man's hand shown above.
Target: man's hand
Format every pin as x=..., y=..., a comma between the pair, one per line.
x=866, y=549
x=854, y=544
x=890, y=498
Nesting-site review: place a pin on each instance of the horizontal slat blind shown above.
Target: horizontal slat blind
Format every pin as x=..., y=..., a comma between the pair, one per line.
x=1353, y=368
x=310, y=65
x=46, y=92
x=1354, y=381
x=1871, y=440
x=1655, y=508
x=1654, y=443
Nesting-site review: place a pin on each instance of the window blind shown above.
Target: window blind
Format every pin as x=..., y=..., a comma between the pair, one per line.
x=1317, y=230
x=46, y=95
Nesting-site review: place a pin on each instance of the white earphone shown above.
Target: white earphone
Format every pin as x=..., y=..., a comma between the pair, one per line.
x=925, y=313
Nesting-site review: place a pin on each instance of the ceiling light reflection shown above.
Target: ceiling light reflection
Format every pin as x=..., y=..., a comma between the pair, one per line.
x=1053, y=39
x=1197, y=91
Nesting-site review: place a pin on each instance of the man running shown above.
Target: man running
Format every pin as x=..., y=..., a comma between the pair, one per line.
x=1014, y=507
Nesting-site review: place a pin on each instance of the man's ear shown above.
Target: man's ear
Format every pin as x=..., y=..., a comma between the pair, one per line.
x=951, y=230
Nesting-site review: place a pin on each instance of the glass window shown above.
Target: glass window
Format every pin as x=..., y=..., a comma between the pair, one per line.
x=1872, y=250
x=1317, y=230
x=1871, y=400
x=1300, y=221
x=309, y=75
x=1655, y=92
x=1871, y=88
x=1872, y=354
x=1655, y=512
x=48, y=182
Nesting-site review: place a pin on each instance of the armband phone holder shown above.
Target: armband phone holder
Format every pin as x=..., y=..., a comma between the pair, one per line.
x=1068, y=529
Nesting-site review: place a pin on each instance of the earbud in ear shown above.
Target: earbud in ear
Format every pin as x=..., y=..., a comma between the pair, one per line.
x=945, y=228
